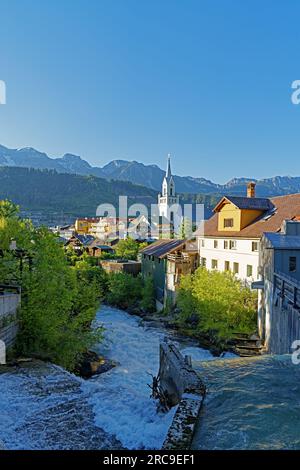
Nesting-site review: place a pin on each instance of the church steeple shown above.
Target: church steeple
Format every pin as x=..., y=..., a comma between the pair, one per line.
x=168, y=186
x=169, y=173
x=168, y=201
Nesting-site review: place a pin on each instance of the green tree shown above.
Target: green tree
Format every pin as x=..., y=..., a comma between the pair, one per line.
x=58, y=306
x=124, y=290
x=185, y=229
x=8, y=209
x=127, y=249
x=217, y=303
x=59, y=301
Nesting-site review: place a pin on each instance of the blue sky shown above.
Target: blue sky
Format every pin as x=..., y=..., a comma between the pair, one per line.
x=209, y=82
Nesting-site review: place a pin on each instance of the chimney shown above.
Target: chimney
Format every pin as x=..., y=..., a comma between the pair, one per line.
x=251, y=189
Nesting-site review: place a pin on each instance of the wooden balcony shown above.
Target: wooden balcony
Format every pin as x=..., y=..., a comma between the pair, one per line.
x=180, y=259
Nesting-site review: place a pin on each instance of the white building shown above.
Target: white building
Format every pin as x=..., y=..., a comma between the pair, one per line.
x=231, y=237
x=168, y=202
x=231, y=254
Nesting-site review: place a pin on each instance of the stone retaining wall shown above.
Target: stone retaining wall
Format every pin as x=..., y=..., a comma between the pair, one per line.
x=184, y=387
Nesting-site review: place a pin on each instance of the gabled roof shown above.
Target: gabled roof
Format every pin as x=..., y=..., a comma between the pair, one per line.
x=84, y=239
x=161, y=248
x=248, y=203
x=285, y=207
x=96, y=243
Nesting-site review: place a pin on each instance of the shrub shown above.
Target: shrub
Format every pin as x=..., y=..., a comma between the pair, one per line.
x=148, y=296
x=124, y=290
x=217, y=302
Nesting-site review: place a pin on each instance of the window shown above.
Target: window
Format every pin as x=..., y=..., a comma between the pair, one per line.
x=249, y=270
x=236, y=268
x=228, y=223
x=227, y=266
x=215, y=243
x=214, y=264
x=203, y=262
x=232, y=245
x=203, y=243
x=254, y=246
x=225, y=244
x=292, y=264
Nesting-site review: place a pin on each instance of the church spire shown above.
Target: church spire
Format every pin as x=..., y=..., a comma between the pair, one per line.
x=169, y=173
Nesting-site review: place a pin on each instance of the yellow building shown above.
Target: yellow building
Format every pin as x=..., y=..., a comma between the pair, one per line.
x=236, y=213
x=83, y=225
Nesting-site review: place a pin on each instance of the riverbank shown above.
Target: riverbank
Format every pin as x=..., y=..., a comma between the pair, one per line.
x=169, y=322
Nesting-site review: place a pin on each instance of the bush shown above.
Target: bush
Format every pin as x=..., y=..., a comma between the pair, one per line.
x=124, y=290
x=217, y=303
x=148, y=296
x=90, y=275
x=128, y=249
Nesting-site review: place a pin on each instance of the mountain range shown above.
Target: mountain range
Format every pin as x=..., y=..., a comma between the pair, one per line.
x=137, y=173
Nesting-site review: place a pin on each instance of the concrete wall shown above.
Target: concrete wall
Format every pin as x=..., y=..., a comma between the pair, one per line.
x=184, y=387
x=8, y=321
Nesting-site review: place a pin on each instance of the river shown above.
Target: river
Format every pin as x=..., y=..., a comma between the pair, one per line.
x=251, y=403
x=44, y=407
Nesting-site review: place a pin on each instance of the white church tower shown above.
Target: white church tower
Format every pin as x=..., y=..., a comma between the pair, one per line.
x=168, y=202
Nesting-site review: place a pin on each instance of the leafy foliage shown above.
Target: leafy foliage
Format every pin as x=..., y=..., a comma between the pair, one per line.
x=185, y=229
x=124, y=290
x=127, y=292
x=217, y=303
x=58, y=301
x=148, y=295
x=128, y=249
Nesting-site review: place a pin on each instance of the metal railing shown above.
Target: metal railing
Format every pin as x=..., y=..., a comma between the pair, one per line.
x=288, y=287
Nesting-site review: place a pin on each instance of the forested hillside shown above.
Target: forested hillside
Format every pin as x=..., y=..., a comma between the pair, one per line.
x=49, y=190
